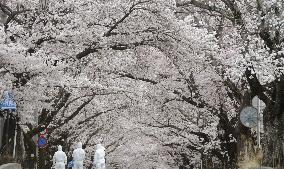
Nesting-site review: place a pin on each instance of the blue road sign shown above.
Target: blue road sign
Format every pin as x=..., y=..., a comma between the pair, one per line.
x=8, y=102
x=41, y=142
x=70, y=164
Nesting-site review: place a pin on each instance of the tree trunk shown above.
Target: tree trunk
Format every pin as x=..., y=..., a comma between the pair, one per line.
x=273, y=141
x=42, y=158
x=245, y=140
x=30, y=148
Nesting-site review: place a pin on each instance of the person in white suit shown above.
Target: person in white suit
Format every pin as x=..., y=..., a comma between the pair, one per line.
x=99, y=157
x=59, y=159
x=78, y=156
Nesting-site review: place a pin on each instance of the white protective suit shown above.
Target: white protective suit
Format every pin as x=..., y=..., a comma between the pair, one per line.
x=99, y=157
x=59, y=159
x=78, y=156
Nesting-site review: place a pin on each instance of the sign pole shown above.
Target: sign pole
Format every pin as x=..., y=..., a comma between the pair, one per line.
x=8, y=104
x=37, y=136
x=258, y=123
x=15, y=141
x=7, y=130
x=258, y=119
x=2, y=121
x=36, y=157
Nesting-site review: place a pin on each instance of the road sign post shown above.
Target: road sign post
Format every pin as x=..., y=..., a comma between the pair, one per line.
x=258, y=123
x=7, y=130
x=15, y=141
x=249, y=116
x=8, y=102
x=42, y=142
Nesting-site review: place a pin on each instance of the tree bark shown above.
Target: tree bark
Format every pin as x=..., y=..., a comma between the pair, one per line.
x=273, y=140
x=245, y=138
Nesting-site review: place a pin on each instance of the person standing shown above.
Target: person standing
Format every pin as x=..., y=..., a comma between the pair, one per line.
x=99, y=157
x=59, y=159
x=78, y=156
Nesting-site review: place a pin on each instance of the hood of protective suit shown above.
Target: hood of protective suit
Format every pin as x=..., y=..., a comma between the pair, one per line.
x=100, y=147
x=79, y=145
x=59, y=148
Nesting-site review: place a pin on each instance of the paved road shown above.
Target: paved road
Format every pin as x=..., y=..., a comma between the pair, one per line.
x=11, y=166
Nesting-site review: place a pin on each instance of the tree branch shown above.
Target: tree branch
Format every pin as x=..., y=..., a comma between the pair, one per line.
x=91, y=135
x=98, y=114
x=11, y=15
x=128, y=75
x=118, y=46
x=47, y=116
x=75, y=113
x=94, y=48
x=189, y=100
x=256, y=87
x=202, y=5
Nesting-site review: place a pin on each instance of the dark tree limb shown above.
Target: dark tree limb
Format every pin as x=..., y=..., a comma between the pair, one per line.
x=189, y=100
x=47, y=116
x=256, y=88
x=118, y=46
x=202, y=5
x=74, y=114
x=11, y=15
x=128, y=75
x=126, y=15
x=90, y=136
x=94, y=48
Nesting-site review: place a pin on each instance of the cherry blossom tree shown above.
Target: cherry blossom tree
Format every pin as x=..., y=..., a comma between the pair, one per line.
x=255, y=28
x=159, y=81
x=48, y=80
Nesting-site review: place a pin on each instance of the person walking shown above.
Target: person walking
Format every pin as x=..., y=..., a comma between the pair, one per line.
x=59, y=159
x=99, y=157
x=78, y=156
